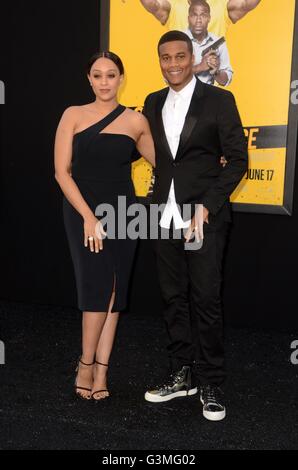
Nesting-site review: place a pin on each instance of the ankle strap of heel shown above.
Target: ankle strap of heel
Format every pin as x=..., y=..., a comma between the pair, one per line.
x=100, y=363
x=85, y=363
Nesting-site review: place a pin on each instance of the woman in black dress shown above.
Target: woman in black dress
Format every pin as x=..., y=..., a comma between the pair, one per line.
x=95, y=145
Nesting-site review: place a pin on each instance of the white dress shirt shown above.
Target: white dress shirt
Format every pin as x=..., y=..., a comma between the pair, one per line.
x=173, y=115
x=222, y=53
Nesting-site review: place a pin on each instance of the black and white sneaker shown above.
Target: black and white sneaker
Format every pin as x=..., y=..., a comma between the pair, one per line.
x=210, y=399
x=180, y=384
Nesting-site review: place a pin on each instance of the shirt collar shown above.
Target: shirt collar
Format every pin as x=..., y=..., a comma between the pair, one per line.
x=186, y=92
x=208, y=38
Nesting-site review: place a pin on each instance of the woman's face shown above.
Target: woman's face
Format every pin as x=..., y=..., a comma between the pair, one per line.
x=105, y=79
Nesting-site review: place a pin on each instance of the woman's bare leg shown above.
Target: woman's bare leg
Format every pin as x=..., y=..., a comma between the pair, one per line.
x=92, y=325
x=104, y=349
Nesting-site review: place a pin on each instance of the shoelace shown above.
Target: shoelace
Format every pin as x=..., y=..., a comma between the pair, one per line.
x=209, y=395
x=174, y=378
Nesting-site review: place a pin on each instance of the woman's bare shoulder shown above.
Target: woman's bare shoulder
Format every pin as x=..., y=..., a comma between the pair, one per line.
x=74, y=114
x=136, y=118
x=74, y=111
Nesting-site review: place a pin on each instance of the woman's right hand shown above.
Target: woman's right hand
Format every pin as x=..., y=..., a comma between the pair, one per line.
x=93, y=234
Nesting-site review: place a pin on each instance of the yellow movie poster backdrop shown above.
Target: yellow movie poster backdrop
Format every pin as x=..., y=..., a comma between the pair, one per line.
x=260, y=46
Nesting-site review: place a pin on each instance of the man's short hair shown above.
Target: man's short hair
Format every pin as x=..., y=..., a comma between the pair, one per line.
x=175, y=36
x=199, y=3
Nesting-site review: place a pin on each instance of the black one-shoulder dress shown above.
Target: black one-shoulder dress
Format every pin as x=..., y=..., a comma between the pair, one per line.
x=101, y=167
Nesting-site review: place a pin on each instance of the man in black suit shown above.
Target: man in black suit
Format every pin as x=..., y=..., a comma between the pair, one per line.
x=193, y=124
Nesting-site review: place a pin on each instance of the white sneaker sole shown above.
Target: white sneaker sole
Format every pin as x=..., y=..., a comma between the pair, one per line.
x=157, y=399
x=214, y=415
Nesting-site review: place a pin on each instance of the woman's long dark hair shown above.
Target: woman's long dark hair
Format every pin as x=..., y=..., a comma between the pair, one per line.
x=107, y=55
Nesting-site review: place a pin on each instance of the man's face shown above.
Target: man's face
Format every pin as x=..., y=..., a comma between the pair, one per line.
x=176, y=63
x=198, y=20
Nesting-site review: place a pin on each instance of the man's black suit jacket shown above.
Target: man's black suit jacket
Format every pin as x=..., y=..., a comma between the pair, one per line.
x=212, y=128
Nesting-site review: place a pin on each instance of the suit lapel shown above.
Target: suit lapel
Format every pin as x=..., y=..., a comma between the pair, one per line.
x=159, y=122
x=192, y=117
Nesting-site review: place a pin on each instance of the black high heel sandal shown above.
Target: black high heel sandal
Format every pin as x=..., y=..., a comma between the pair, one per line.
x=77, y=387
x=98, y=391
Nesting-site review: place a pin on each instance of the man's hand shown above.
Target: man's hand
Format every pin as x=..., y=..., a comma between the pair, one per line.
x=197, y=223
x=208, y=61
x=205, y=215
x=213, y=62
x=223, y=161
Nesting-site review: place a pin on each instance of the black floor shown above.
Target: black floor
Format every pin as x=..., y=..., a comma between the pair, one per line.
x=38, y=408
